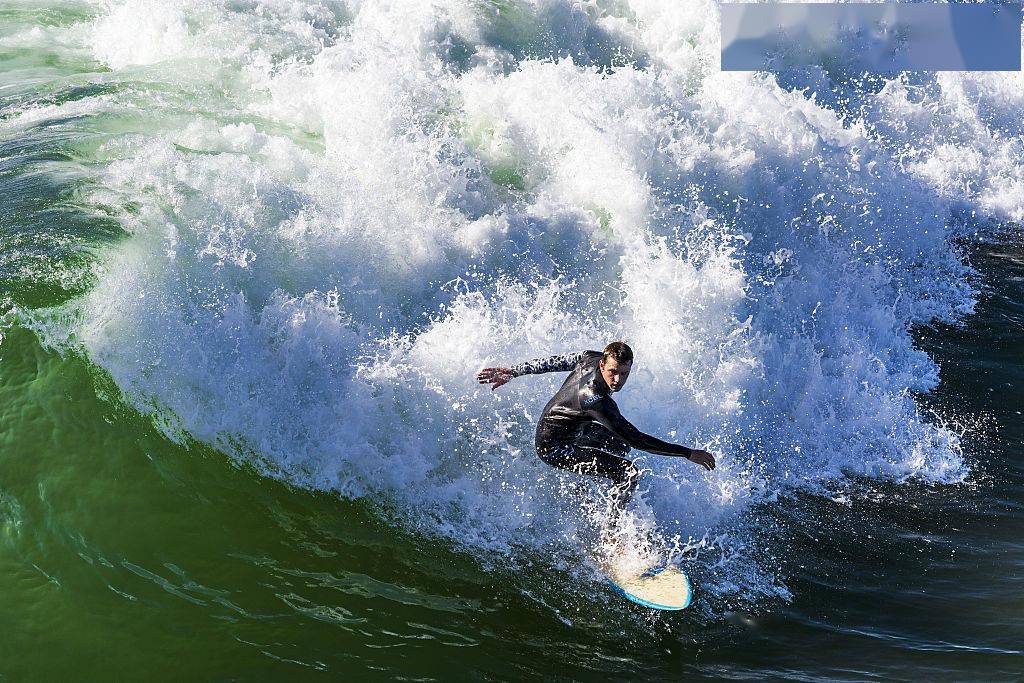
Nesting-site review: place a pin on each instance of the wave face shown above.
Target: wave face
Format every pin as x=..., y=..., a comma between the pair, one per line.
x=336, y=213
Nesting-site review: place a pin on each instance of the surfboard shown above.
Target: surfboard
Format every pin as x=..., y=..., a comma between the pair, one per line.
x=666, y=588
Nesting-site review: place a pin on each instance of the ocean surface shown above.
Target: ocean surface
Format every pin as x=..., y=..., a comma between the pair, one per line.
x=252, y=253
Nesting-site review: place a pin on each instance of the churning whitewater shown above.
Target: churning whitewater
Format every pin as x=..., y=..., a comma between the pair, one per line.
x=338, y=212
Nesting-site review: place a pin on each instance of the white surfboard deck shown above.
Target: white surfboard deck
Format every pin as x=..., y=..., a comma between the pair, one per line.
x=666, y=588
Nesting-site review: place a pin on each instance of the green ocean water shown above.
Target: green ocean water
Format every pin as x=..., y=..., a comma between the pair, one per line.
x=170, y=508
x=129, y=557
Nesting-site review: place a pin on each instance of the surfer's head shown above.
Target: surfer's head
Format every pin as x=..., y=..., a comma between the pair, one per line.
x=616, y=363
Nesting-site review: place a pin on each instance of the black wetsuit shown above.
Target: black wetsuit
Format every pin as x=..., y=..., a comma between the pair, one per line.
x=581, y=428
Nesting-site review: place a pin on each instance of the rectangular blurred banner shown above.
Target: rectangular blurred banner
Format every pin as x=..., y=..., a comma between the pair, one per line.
x=878, y=37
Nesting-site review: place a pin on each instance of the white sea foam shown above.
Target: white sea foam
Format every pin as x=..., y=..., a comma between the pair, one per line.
x=402, y=193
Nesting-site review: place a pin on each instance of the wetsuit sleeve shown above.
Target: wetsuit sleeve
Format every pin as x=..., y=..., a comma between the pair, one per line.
x=604, y=410
x=563, y=363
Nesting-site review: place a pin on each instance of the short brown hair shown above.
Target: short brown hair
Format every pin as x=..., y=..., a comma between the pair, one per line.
x=620, y=351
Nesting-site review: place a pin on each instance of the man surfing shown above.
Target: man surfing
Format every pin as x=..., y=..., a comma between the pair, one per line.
x=581, y=428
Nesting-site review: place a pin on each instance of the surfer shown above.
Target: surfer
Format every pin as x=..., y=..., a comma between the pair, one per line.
x=581, y=428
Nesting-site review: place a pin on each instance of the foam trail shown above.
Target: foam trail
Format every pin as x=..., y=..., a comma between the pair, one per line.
x=344, y=211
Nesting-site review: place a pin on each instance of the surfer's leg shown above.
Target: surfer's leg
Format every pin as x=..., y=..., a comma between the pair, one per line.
x=592, y=461
x=624, y=476
x=607, y=452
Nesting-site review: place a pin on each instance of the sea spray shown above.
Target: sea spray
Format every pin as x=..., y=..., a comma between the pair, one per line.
x=336, y=214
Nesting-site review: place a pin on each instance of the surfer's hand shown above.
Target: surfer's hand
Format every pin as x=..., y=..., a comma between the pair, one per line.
x=702, y=458
x=494, y=376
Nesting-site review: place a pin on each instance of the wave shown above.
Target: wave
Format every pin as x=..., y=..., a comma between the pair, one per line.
x=338, y=212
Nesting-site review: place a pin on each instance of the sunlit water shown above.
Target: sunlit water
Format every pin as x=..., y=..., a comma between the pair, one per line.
x=252, y=254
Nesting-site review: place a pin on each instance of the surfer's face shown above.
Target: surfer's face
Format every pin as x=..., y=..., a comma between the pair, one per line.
x=615, y=373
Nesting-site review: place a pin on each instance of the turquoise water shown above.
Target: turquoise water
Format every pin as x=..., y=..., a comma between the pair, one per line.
x=251, y=255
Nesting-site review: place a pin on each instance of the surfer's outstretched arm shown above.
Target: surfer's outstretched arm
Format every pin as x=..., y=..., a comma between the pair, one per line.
x=604, y=410
x=562, y=363
x=498, y=376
